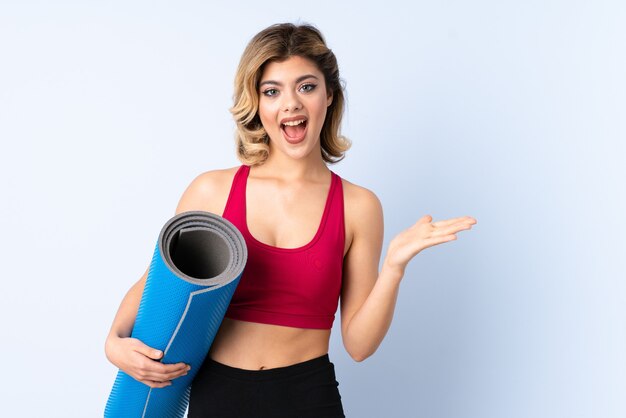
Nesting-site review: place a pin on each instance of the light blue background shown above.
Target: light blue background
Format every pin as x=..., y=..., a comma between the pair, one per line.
x=512, y=112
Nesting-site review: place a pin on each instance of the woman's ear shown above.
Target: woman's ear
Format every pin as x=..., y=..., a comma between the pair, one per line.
x=329, y=99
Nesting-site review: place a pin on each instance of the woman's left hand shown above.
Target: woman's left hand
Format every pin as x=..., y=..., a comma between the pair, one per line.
x=423, y=234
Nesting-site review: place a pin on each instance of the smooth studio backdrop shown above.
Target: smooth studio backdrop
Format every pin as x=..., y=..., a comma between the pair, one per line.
x=511, y=112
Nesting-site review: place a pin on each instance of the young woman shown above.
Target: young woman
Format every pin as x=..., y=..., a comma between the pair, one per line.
x=313, y=238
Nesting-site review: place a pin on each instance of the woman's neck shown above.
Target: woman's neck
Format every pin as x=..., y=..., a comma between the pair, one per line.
x=311, y=167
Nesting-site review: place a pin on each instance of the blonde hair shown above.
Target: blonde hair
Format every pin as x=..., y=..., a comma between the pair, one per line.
x=276, y=44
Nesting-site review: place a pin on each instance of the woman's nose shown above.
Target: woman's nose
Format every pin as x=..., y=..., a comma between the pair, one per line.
x=291, y=102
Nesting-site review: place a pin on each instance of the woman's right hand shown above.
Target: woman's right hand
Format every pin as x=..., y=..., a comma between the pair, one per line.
x=142, y=362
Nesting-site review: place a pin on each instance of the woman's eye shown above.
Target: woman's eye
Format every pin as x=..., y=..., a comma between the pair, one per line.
x=307, y=87
x=270, y=92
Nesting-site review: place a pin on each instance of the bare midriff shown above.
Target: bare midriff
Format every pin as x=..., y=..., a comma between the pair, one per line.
x=254, y=346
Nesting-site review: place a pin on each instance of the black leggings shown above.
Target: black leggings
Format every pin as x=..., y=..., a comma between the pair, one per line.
x=303, y=390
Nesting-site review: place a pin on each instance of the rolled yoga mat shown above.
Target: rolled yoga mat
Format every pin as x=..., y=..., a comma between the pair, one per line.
x=197, y=264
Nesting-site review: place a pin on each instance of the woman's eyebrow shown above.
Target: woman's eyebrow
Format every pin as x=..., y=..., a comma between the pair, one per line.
x=299, y=79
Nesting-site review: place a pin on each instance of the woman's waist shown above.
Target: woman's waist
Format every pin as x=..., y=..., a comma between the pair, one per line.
x=317, y=366
x=256, y=346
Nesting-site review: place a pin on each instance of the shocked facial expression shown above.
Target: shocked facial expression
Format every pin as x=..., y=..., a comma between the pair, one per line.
x=292, y=105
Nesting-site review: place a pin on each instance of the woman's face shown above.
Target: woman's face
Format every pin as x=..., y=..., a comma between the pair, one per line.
x=292, y=105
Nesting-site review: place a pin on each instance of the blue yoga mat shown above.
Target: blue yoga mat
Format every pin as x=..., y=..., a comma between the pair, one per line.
x=197, y=264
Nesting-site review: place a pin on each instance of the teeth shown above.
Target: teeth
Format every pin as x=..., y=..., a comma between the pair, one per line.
x=294, y=122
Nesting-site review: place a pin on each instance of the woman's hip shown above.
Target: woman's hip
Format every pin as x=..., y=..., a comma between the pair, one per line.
x=306, y=389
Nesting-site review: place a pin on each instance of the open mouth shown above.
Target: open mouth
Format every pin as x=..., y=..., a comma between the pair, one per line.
x=294, y=129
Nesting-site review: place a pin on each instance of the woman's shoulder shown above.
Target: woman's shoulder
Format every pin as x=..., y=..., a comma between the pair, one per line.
x=359, y=201
x=208, y=191
x=215, y=178
x=363, y=214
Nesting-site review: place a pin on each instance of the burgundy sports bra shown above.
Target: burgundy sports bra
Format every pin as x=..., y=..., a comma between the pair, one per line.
x=294, y=287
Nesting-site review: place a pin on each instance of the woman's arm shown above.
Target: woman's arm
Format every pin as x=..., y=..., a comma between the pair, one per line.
x=131, y=355
x=368, y=297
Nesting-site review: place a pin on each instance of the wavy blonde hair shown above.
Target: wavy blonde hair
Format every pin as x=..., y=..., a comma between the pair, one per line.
x=276, y=44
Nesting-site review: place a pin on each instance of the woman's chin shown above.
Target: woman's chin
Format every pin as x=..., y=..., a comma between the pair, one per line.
x=294, y=152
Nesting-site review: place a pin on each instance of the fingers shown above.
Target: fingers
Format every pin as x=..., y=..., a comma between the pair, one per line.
x=149, y=370
x=147, y=351
x=168, y=371
x=177, y=373
x=442, y=231
x=453, y=229
x=159, y=372
x=447, y=222
x=144, y=364
x=160, y=380
x=446, y=230
x=422, y=235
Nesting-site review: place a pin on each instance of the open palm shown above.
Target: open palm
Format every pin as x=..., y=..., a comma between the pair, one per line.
x=423, y=234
